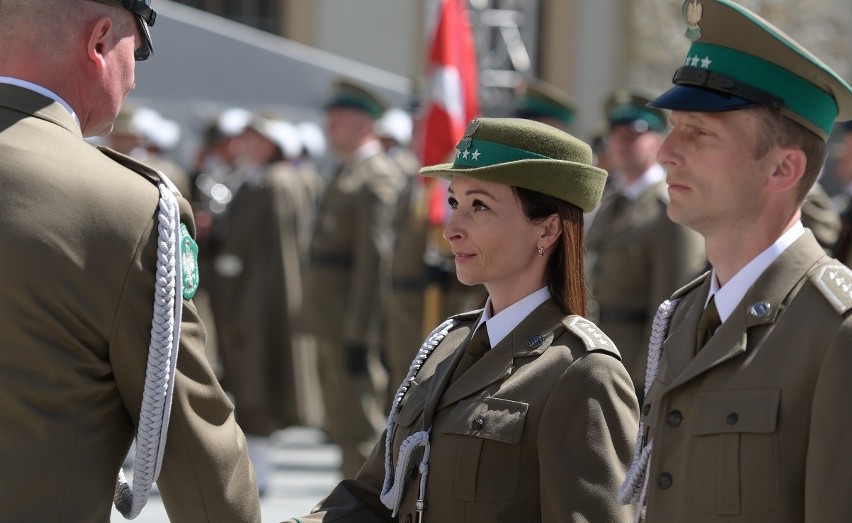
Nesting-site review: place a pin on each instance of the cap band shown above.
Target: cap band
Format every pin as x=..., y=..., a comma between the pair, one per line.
x=357, y=102
x=797, y=94
x=542, y=107
x=481, y=153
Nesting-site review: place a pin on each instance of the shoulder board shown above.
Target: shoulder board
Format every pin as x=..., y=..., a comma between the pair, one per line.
x=594, y=338
x=138, y=167
x=467, y=316
x=691, y=285
x=834, y=281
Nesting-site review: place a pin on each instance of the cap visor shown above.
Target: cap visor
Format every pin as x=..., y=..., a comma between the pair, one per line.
x=699, y=99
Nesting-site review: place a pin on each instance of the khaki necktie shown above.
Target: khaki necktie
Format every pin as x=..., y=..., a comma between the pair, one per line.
x=477, y=347
x=707, y=325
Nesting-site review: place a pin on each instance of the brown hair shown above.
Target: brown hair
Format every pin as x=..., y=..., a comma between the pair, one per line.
x=565, y=268
x=778, y=130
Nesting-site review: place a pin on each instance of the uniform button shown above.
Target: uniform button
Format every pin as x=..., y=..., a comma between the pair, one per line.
x=646, y=409
x=408, y=518
x=674, y=418
x=478, y=423
x=733, y=418
x=664, y=480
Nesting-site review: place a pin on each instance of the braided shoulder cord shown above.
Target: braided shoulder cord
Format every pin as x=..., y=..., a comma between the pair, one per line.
x=162, y=359
x=392, y=488
x=631, y=490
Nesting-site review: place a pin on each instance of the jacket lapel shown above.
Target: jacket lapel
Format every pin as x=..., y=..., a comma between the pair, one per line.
x=530, y=338
x=760, y=307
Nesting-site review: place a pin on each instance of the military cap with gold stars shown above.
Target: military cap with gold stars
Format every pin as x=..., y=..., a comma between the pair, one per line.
x=542, y=101
x=739, y=60
x=528, y=154
x=630, y=107
x=346, y=93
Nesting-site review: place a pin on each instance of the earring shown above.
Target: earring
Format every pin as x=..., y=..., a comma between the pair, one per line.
x=541, y=251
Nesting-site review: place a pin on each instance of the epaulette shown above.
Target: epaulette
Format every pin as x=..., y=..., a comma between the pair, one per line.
x=834, y=281
x=680, y=293
x=138, y=167
x=594, y=338
x=466, y=316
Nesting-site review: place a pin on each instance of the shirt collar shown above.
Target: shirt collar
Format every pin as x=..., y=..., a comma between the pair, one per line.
x=40, y=90
x=500, y=325
x=729, y=296
x=650, y=177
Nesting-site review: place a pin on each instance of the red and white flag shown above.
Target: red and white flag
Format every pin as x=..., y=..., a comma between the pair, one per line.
x=452, y=98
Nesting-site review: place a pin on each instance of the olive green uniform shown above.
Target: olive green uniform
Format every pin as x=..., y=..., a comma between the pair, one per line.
x=78, y=234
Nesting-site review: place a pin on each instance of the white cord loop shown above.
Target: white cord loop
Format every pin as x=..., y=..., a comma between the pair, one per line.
x=632, y=488
x=162, y=360
x=394, y=484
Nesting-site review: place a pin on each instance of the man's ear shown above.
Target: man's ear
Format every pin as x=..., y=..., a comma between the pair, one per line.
x=100, y=41
x=788, y=170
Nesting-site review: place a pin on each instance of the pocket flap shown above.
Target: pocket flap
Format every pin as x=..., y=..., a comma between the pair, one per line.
x=412, y=405
x=737, y=411
x=492, y=418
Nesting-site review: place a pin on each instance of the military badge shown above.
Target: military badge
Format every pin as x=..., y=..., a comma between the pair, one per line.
x=694, y=12
x=188, y=263
x=465, y=142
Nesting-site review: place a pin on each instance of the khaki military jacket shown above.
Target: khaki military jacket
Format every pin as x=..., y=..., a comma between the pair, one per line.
x=637, y=258
x=257, y=295
x=78, y=239
x=349, y=252
x=756, y=427
x=539, y=429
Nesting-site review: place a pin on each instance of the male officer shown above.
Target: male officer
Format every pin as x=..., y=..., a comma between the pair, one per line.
x=87, y=236
x=636, y=255
x=546, y=103
x=348, y=257
x=747, y=417
x=843, y=248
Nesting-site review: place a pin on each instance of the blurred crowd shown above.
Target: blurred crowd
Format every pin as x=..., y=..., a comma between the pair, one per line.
x=323, y=265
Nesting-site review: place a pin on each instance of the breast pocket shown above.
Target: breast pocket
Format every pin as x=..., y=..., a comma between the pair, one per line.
x=489, y=450
x=734, y=462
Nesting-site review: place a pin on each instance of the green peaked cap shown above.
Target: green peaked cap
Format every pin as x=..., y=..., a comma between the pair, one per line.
x=738, y=60
x=346, y=93
x=528, y=154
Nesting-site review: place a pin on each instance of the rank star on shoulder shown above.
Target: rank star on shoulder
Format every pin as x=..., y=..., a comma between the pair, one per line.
x=475, y=155
x=695, y=60
x=705, y=62
x=465, y=154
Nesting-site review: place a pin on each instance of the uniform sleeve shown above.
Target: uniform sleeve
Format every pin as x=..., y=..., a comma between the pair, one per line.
x=586, y=442
x=356, y=500
x=206, y=473
x=829, y=457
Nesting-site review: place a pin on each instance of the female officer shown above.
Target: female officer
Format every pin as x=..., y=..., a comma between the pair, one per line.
x=521, y=411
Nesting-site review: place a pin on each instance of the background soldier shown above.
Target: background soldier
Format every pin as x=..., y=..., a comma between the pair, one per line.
x=258, y=284
x=637, y=256
x=348, y=255
x=80, y=243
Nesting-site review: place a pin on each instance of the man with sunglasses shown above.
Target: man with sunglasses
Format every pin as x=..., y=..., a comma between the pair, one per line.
x=99, y=339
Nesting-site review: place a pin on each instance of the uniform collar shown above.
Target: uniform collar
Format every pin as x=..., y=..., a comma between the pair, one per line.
x=500, y=325
x=42, y=91
x=729, y=296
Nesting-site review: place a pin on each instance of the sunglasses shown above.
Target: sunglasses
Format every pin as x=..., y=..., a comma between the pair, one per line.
x=145, y=17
